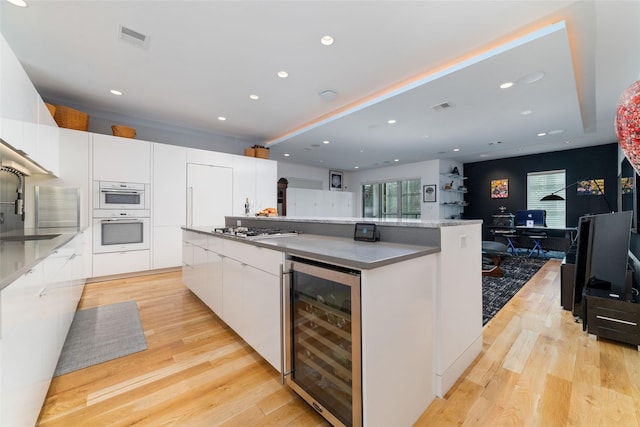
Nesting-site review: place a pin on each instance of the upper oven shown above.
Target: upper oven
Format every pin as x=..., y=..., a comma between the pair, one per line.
x=120, y=195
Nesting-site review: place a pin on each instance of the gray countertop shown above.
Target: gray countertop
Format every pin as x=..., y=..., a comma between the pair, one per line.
x=395, y=222
x=335, y=250
x=17, y=257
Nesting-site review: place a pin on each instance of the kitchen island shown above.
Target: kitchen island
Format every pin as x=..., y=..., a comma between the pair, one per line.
x=421, y=298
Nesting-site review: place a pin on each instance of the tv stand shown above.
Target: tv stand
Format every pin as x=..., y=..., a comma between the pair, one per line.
x=611, y=318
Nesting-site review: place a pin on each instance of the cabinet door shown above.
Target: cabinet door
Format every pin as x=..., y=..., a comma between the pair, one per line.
x=244, y=184
x=48, y=139
x=120, y=263
x=266, y=184
x=23, y=378
x=166, y=246
x=209, y=195
x=169, y=184
x=232, y=307
x=121, y=159
x=214, y=282
x=261, y=298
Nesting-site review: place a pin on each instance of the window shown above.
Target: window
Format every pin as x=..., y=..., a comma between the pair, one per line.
x=540, y=184
x=392, y=199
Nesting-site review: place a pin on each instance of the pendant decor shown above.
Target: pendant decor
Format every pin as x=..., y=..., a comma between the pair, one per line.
x=628, y=124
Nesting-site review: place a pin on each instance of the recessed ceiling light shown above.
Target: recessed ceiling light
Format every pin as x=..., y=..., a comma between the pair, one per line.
x=542, y=134
x=391, y=121
x=567, y=142
x=526, y=112
x=556, y=131
x=254, y=96
x=283, y=74
x=115, y=92
x=325, y=142
x=531, y=78
x=356, y=167
x=484, y=155
x=506, y=85
x=286, y=154
x=327, y=40
x=456, y=150
x=222, y=118
x=19, y=3
x=396, y=160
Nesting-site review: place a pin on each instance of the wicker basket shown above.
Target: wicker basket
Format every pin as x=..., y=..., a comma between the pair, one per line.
x=51, y=108
x=250, y=152
x=262, y=153
x=71, y=119
x=123, y=131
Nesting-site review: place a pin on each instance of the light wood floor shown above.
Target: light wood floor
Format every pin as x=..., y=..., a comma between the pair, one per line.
x=537, y=368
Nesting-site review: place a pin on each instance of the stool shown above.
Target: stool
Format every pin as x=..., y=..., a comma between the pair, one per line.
x=537, y=246
x=510, y=245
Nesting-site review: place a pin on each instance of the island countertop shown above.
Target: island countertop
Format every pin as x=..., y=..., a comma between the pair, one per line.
x=335, y=250
x=18, y=256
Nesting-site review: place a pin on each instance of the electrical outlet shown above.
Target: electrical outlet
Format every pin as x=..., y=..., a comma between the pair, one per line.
x=463, y=241
x=239, y=223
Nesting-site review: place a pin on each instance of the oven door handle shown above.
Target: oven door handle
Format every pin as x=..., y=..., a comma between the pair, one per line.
x=121, y=191
x=123, y=220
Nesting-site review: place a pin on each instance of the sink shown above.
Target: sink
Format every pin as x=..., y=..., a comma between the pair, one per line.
x=29, y=237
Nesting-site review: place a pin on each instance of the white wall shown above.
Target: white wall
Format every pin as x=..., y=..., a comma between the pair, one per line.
x=303, y=176
x=428, y=172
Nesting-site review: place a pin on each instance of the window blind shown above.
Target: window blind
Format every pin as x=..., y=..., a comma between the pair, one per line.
x=540, y=184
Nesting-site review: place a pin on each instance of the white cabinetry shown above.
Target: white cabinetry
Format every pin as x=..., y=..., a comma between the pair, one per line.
x=241, y=284
x=254, y=179
x=209, y=194
x=120, y=263
x=452, y=190
x=169, y=187
x=25, y=122
x=319, y=203
x=121, y=159
x=36, y=313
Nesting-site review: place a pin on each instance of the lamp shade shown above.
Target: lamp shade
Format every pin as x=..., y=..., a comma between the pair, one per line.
x=551, y=197
x=628, y=124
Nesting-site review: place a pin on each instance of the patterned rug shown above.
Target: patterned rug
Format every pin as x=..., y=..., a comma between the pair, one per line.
x=497, y=291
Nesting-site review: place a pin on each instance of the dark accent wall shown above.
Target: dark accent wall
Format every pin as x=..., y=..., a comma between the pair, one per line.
x=582, y=163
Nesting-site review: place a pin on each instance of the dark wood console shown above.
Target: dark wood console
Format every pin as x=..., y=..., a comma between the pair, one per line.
x=612, y=318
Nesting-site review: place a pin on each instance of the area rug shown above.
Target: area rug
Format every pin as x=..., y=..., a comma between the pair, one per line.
x=497, y=291
x=100, y=334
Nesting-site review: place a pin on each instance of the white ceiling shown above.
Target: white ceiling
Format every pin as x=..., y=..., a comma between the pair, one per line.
x=390, y=60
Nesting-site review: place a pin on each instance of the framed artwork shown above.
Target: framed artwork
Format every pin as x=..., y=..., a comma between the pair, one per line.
x=335, y=181
x=626, y=185
x=591, y=187
x=499, y=188
x=429, y=193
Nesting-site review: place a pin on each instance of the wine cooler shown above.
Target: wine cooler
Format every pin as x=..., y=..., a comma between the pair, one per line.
x=322, y=339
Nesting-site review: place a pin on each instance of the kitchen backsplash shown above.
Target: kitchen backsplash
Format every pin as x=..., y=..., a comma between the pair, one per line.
x=8, y=218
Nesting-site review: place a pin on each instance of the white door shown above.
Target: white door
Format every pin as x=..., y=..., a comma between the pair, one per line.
x=209, y=195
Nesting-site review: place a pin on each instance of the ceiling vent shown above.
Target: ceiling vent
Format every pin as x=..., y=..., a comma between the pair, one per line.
x=133, y=37
x=441, y=106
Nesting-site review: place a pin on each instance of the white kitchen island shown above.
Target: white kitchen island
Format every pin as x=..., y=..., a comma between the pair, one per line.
x=422, y=300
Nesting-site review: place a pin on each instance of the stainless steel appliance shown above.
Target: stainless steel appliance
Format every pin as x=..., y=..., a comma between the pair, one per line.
x=323, y=340
x=120, y=195
x=57, y=206
x=119, y=231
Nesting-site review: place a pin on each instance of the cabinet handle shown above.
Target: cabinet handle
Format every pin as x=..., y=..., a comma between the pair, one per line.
x=611, y=319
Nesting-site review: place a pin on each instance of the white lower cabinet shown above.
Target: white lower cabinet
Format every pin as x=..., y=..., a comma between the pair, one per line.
x=36, y=313
x=241, y=284
x=120, y=262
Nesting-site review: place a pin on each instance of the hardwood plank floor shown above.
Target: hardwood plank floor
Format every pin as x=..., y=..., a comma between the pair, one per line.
x=537, y=368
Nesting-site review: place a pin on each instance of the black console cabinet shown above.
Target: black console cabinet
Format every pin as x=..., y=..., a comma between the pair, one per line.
x=612, y=318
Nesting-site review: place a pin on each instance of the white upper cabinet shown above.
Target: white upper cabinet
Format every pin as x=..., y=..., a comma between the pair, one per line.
x=121, y=159
x=255, y=179
x=169, y=184
x=25, y=122
x=210, y=158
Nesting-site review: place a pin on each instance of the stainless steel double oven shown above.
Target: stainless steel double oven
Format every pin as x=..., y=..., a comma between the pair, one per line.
x=121, y=217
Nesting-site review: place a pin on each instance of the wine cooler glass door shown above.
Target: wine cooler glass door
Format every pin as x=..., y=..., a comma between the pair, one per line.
x=325, y=340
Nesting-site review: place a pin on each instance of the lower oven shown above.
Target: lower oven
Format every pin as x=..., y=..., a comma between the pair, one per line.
x=120, y=231
x=323, y=340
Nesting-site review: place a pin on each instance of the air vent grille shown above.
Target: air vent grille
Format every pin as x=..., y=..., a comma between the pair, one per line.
x=441, y=106
x=131, y=36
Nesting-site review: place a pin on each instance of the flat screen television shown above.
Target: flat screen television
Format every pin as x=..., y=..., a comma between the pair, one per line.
x=602, y=253
x=532, y=217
